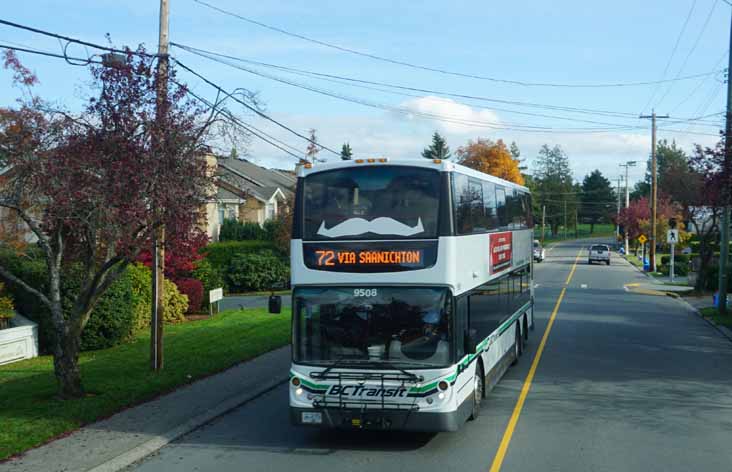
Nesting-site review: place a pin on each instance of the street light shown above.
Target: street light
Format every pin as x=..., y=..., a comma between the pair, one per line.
x=627, y=197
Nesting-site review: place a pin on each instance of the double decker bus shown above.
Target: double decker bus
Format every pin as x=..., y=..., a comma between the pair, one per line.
x=412, y=292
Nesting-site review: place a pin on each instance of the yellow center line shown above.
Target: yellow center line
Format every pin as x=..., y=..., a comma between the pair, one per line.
x=508, y=433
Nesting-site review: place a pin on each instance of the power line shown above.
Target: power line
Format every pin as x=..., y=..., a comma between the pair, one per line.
x=701, y=82
x=258, y=112
x=427, y=68
x=691, y=51
x=673, y=53
x=48, y=54
x=339, y=78
x=72, y=40
x=414, y=113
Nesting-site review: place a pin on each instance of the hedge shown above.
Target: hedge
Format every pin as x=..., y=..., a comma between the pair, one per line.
x=262, y=271
x=234, y=230
x=220, y=254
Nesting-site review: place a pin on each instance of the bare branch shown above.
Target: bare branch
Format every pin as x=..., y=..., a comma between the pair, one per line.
x=8, y=276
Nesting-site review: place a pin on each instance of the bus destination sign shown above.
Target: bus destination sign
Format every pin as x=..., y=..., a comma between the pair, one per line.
x=370, y=257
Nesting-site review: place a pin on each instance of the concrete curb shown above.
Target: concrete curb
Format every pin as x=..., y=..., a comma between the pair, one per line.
x=726, y=332
x=143, y=450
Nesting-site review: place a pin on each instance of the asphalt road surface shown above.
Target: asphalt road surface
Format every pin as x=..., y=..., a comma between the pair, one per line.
x=626, y=382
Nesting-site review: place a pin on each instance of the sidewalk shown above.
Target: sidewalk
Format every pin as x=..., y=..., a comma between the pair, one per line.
x=128, y=436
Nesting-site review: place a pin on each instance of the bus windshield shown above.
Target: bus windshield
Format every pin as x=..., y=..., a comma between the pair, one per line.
x=373, y=202
x=395, y=325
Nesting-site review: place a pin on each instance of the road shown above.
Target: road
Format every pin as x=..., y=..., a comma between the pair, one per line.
x=625, y=382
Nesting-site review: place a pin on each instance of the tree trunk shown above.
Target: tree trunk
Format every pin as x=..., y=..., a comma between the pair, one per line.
x=66, y=364
x=705, y=257
x=592, y=226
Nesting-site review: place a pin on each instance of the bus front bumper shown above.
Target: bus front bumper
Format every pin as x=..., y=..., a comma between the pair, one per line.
x=397, y=420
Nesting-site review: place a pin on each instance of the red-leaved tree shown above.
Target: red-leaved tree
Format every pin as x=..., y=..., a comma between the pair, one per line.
x=92, y=187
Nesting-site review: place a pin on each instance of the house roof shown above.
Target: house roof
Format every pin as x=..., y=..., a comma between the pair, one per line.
x=254, y=180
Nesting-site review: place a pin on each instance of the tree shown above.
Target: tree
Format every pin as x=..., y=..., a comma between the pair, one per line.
x=597, y=198
x=313, y=148
x=93, y=188
x=636, y=219
x=491, y=158
x=346, y=152
x=516, y=154
x=553, y=183
x=704, y=202
x=438, y=149
x=640, y=190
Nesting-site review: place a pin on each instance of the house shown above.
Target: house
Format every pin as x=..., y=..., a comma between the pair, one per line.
x=246, y=192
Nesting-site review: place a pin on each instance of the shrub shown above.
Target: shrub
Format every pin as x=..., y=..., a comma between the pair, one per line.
x=209, y=276
x=679, y=269
x=193, y=289
x=220, y=254
x=679, y=259
x=7, y=309
x=112, y=321
x=713, y=278
x=261, y=271
x=234, y=230
x=175, y=304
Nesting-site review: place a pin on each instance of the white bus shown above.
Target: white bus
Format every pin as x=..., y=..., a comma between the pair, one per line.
x=412, y=292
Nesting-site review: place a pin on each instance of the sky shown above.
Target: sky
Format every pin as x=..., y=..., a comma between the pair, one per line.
x=564, y=42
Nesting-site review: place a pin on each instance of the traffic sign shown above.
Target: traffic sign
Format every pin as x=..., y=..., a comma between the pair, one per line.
x=642, y=239
x=672, y=236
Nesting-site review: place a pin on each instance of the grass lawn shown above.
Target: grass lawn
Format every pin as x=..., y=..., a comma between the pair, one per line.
x=121, y=376
x=713, y=314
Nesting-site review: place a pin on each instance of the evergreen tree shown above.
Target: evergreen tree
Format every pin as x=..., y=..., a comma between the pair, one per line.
x=598, y=199
x=438, y=149
x=516, y=154
x=552, y=180
x=346, y=152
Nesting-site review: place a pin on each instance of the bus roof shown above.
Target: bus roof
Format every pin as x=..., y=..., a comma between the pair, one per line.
x=442, y=165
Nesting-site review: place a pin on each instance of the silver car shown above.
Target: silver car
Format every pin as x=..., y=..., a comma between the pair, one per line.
x=599, y=253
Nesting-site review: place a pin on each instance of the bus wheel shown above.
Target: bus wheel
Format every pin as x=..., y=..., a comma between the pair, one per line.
x=525, y=327
x=478, y=390
x=518, y=347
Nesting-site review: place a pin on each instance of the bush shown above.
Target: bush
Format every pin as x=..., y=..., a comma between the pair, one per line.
x=679, y=269
x=713, y=278
x=220, y=254
x=124, y=307
x=679, y=259
x=234, y=230
x=193, y=289
x=262, y=271
x=7, y=309
x=209, y=276
x=175, y=303
x=113, y=320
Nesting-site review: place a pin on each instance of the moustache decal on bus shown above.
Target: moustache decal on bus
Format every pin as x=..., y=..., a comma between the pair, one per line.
x=380, y=225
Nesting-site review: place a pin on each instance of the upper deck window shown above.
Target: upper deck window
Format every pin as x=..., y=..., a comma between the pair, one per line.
x=373, y=202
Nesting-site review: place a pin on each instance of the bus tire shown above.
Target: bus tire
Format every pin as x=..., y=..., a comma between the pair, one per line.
x=518, y=348
x=478, y=391
x=525, y=328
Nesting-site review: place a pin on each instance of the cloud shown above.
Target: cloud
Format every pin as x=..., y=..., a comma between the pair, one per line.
x=449, y=115
x=398, y=136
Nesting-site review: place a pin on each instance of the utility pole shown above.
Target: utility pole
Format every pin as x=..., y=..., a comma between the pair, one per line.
x=543, y=223
x=576, y=226
x=726, y=194
x=158, y=275
x=627, y=197
x=654, y=189
x=617, y=213
x=565, y=219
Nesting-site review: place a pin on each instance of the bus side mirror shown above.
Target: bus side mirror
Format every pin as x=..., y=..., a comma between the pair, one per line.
x=471, y=345
x=275, y=304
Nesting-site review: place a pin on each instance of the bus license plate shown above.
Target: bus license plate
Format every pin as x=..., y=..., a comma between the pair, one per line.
x=312, y=417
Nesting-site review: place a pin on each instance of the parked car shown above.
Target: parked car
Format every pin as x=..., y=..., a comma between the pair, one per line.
x=599, y=253
x=539, y=253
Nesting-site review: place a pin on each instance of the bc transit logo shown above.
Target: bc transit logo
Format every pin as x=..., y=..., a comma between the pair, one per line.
x=363, y=391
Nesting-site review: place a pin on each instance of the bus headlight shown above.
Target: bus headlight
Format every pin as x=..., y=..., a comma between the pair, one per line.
x=298, y=392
